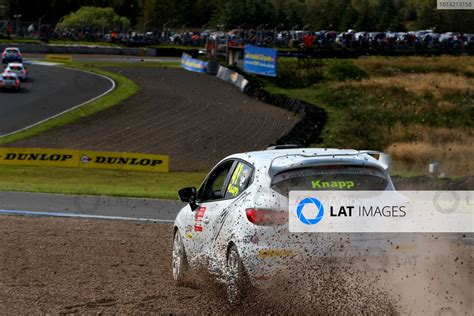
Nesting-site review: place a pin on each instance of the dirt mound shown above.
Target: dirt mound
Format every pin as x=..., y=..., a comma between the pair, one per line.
x=196, y=119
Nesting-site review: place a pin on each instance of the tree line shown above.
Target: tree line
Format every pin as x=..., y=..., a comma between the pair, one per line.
x=338, y=15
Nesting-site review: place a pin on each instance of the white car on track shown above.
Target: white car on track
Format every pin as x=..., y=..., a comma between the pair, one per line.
x=11, y=54
x=18, y=69
x=9, y=81
x=236, y=223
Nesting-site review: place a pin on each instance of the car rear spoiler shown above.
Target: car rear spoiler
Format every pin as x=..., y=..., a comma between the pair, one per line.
x=377, y=159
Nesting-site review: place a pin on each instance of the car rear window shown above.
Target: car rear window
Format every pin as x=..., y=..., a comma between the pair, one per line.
x=330, y=178
x=16, y=68
x=12, y=51
x=9, y=78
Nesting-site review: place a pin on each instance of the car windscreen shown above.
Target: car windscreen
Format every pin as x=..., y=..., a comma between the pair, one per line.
x=330, y=178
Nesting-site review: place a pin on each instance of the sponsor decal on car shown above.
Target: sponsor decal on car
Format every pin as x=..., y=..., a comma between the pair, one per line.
x=198, y=219
x=342, y=185
x=188, y=232
x=233, y=187
x=277, y=253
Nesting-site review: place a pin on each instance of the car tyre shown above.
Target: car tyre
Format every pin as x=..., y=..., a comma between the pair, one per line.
x=237, y=282
x=179, y=261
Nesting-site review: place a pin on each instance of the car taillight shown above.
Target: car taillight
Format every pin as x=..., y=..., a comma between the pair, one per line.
x=4, y=54
x=8, y=71
x=266, y=217
x=17, y=82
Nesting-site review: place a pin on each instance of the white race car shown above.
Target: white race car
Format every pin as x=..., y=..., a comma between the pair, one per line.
x=18, y=69
x=9, y=81
x=236, y=224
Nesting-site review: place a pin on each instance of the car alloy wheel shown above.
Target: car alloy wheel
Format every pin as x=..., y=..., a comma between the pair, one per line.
x=179, y=259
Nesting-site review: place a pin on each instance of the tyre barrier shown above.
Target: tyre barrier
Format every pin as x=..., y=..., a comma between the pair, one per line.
x=175, y=52
x=213, y=67
x=312, y=117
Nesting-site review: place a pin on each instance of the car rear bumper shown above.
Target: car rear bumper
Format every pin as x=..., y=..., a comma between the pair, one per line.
x=9, y=88
x=266, y=262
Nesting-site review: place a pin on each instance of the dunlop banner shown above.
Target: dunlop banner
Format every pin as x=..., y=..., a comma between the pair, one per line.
x=124, y=161
x=191, y=64
x=58, y=57
x=83, y=159
x=38, y=157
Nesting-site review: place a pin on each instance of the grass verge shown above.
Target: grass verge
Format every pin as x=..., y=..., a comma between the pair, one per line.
x=105, y=64
x=96, y=182
x=418, y=109
x=125, y=88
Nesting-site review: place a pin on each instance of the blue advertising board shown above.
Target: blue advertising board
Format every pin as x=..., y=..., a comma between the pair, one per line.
x=191, y=64
x=261, y=61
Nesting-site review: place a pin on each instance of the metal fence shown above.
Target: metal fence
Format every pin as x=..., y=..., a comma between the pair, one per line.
x=21, y=28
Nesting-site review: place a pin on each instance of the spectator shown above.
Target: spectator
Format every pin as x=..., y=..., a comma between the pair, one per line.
x=9, y=29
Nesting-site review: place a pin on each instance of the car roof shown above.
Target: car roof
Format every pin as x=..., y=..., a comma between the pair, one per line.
x=280, y=159
x=265, y=155
x=15, y=65
x=12, y=48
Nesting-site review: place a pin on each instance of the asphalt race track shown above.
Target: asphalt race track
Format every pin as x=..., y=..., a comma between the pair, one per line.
x=110, y=58
x=47, y=92
x=89, y=206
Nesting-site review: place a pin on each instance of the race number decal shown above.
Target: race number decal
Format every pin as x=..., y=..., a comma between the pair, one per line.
x=200, y=213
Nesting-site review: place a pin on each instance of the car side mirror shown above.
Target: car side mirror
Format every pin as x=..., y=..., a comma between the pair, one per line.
x=188, y=195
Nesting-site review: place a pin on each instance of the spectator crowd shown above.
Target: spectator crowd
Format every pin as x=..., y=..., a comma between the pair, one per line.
x=302, y=39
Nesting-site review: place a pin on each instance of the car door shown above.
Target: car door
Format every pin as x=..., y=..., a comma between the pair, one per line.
x=211, y=201
x=220, y=216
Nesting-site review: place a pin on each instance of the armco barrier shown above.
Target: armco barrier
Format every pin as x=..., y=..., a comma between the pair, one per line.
x=81, y=49
x=83, y=159
x=191, y=64
x=233, y=77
